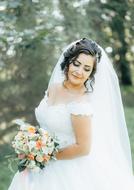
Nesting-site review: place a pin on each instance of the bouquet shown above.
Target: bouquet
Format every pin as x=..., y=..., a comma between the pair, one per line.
x=34, y=146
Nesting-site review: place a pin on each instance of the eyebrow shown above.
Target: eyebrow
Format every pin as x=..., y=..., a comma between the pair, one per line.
x=80, y=63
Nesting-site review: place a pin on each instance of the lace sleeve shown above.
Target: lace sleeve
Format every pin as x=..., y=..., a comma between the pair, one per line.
x=80, y=108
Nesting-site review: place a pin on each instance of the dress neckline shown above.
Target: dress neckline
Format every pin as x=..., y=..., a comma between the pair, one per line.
x=62, y=104
x=57, y=105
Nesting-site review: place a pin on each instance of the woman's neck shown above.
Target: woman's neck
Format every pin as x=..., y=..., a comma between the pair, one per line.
x=74, y=89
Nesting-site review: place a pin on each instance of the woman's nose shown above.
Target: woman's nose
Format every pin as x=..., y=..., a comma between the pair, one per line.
x=79, y=71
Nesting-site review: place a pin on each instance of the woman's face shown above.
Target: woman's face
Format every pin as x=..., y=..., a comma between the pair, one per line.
x=80, y=69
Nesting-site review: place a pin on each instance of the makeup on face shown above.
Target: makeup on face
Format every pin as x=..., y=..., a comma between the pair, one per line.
x=80, y=69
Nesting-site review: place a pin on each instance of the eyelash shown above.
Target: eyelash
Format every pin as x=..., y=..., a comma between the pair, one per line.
x=79, y=65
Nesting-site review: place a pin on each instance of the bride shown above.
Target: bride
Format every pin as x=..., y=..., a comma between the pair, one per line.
x=83, y=107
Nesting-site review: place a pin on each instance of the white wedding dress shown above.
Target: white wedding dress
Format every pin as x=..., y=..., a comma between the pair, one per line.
x=96, y=171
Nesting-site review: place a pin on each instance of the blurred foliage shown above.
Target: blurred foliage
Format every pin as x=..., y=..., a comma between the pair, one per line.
x=32, y=36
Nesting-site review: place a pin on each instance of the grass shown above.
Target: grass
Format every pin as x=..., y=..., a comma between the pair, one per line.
x=128, y=101
x=129, y=112
x=6, y=175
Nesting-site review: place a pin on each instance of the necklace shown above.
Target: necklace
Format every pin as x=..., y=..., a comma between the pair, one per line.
x=71, y=91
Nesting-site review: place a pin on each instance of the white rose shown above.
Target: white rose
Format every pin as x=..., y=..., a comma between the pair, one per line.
x=44, y=140
x=39, y=158
x=32, y=164
x=25, y=148
x=31, y=145
x=33, y=136
x=41, y=130
x=45, y=150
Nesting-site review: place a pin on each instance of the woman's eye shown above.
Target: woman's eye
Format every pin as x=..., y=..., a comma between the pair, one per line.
x=75, y=64
x=87, y=70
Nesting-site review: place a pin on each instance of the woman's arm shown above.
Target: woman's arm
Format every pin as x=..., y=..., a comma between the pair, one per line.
x=82, y=129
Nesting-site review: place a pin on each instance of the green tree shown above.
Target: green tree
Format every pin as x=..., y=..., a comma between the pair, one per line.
x=117, y=14
x=27, y=53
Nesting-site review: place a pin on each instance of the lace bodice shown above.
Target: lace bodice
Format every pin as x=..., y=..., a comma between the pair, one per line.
x=56, y=118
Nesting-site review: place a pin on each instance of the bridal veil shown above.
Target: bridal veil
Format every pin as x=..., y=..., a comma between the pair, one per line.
x=108, y=118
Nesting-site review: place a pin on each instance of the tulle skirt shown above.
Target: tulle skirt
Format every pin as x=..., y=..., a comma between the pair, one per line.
x=82, y=173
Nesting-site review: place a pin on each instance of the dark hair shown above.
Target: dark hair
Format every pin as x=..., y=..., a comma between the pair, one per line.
x=85, y=46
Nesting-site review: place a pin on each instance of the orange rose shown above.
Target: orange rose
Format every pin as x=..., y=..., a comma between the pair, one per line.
x=31, y=129
x=38, y=144
x=46, y=158
x=30, y=156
